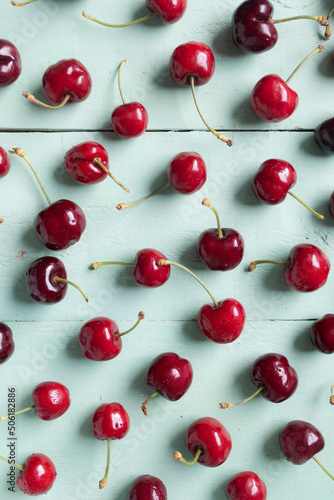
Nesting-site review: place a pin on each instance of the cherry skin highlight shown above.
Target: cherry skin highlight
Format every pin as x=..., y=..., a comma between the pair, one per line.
x=169, y=12
x=7, y=345
x=186, y=173
x=51, y=400
x=147, y=487
x=246, y=486
x=4, y=163
x=10, y=63
x=222, y=324
x=147, y=272
x=300, y=441
x=38, y=475
x=322, y=334
x=79, y=163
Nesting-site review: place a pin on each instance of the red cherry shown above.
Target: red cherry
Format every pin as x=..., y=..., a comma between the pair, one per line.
x=51, y=400
x=208, y=441
x=37, y=476
x=147, y=488
x=272, y=99
x=100, y=340
x=300, y=441
x=170, y=376
x=65, y=82
x=246, y=486
x=331, y=205
x=224, y=323
x=7, y=345
x=10, y=63
x=147, y=272
x=322, y=334
x=4, y=163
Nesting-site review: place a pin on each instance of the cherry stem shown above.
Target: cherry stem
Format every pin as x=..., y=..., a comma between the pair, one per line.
x=98, y=162
x=208, y=204
x=328, y=32
x=143, y=405
x=315, y=51
x=221, y=137
x=33, y=99
x=18, y=4
x=253, y=264
x=17, y=413
x=331, y=399
x=163, y=262
x=121, y=206
x=323, y=468
x=306, y=206
x=104, y=481
x=15, y=465
x=110, y=262
x=322, y=20
x=56, y=279
x=225, y=406
x=177, y=456
x=137, y=21
x=22, y=154
x=141, y=316
x=119, y=81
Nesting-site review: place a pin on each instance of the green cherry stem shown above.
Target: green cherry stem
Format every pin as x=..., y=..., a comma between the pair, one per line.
x=33, y=99
x=322, y=20
x=178, y=456
x=255, y=263
x=56, y=279
x=103, y=482
x=17, y=413
x=163, y=262
x=221, y=137
x=119, y=81
x=137, y=21
x=315, y=51
x=208, y=204
x=306, y=206
x=98, y=162
x=110, y=262
x=225, y=406
x=323, y=468
x=18, y=4
x=21, y=154
x=121, y=206
x=143, y=405
x=141, y=316
x=20, y=467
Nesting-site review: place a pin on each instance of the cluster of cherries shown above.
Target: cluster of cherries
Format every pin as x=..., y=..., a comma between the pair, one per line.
x=62, y=223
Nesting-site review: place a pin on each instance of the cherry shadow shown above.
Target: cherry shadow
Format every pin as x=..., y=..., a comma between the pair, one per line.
x=224, y=45
x=325, y=65
x=244, y=115
x=272, y=278
x=61, y=177
x=154, y=22
x=245, y=194
x=189, y=256
x=73, y=349
x=138, y=386
x=85, y=426
x=322, y=208
x=309, y=146
x=163, y=78
x=303, y=342
x=177, y=442
x=271, y=447
x=192, y=332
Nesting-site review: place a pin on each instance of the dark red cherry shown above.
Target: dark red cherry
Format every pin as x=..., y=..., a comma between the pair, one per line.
x=4, y=163
x=300, y=441
x=51, y=400
x=10, y=63
x=80, y=165
x=147, y=272
x=322, y=334
x=169, y=11
x=38, y=475
x=7, y=345
x=273, y=181
x=324, y=136
x=222, y=324
x=60, y=225
x=192, y=59
x=331, y=205
x=246, y=486
x=147, y=487
x=186, y=172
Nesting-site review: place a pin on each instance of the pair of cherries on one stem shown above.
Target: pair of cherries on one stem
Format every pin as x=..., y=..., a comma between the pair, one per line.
x=221, y=322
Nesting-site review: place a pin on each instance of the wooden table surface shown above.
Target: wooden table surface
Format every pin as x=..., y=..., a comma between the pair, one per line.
x=278, y=320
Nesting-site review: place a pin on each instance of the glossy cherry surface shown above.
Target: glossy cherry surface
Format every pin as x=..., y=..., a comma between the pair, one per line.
x=246, y=486
x=278, y=378
x=4, y=163
x=192, y=59
x=222, y=324
x=169, y=11
x=68, y=76
x=324, y=136
x=300, y=441
x=129, y=120
x=110, y=421
x=60, y=225
x=7, y=345
x=186, y=172
x=147, y=272
x=97, y=339
x=272, y=100
x=322, y=334
x=38, y=475
x=211, y=437
x=331, y=205
x=79, y=163
x=220, y=254
x=147, y=487
x=253, y=30
x=273, y=181
x=51, y=400
x=40, y=285
x=10, y=63
x=308, y=268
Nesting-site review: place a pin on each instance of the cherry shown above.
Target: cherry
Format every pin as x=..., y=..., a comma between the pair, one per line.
x=208, y=441
x=193, y=64
x=130, y=119
x=273, y=182
x=88, y=163
x=168, y=11
x=272, y=99
x=7, y=345
x=4, y=163
x=275, y=379
x=170, y=376
x=10, y=63
x=246, y=486
x=147, y=487
x=254, y=29
x=220, y=249
x=322, y=334
x=65, y=82
x=331, y=205
x=324, y=136
x=109, y=422
x=46, y=281
x=186, y=174
x=306, y=268
x=37, y=474
x=222, y=323
x=100, y=340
